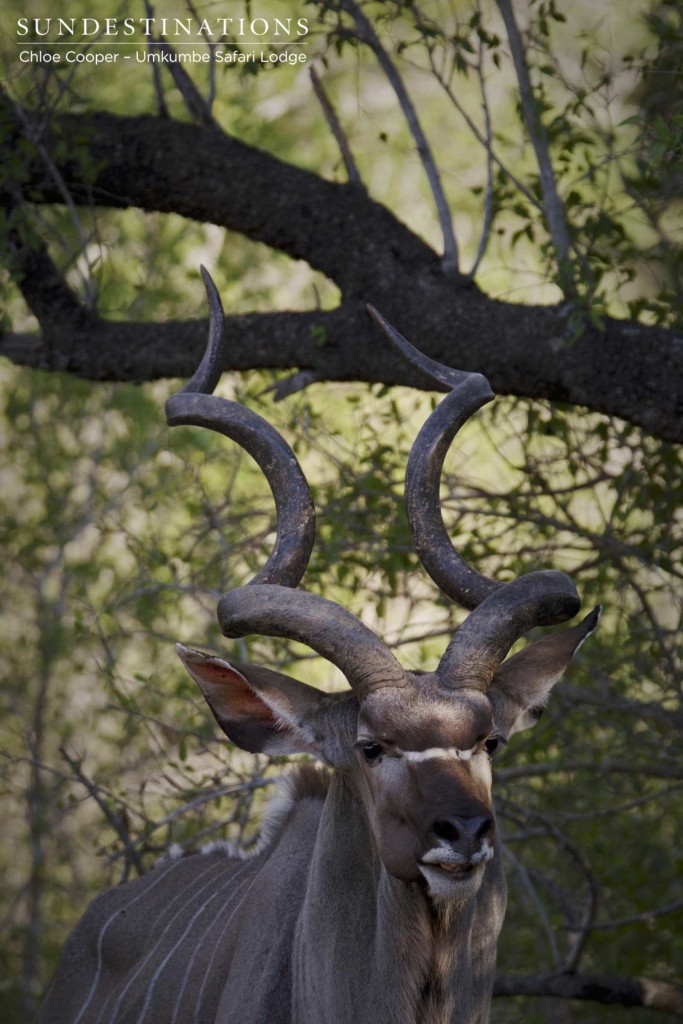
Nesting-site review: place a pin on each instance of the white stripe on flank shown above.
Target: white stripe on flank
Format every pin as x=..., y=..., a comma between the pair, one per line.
x=218, y=946
x=103, y=931
x=186, y=896
x=190, y=924
x=432, y=752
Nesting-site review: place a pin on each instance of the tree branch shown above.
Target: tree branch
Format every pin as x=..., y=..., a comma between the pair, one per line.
x=552, y=204
x=48, y=295
x=335, y=127
x=117, y=821
x=599, y=988
x=621, y=368
x=488, y=199
x=209, y=176
x=368, y=35
x=512, y=345
x=604, y=767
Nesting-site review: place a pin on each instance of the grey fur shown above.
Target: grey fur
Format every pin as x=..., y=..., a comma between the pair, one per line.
x=333, y=919
x=376, y=895
x=312, y=930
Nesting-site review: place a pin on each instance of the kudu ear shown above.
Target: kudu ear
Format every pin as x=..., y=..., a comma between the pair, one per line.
x=522, y=684
x=261, y=711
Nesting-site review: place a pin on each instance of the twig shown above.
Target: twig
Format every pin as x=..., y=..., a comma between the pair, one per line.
x=480, y=137
x=45, y=289
x=656, y=771
x=616, y=809
x=620, y=922
x=336, y=129
x=579, y=933
x=367, y=34
x=198, y=801
x=211, y=46
x=669, y=655
x=553, y=206
x=156, y=71
x=197, y=106
x=35, y=133
x=291, y=385
x=527, y=884
x=488, y=201
x=117, y=821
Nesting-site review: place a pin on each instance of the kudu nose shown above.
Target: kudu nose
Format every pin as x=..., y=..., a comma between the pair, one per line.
x=464, y=832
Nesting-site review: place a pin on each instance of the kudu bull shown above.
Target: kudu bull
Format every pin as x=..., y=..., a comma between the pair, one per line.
x=376, y=894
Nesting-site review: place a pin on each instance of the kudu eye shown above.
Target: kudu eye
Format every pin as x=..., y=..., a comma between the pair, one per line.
x=491, y=745
x=372, y=752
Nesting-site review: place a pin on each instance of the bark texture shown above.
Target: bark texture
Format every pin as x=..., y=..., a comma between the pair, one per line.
x=623, y=368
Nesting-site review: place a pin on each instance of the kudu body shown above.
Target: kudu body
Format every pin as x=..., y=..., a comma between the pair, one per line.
x=376, y=894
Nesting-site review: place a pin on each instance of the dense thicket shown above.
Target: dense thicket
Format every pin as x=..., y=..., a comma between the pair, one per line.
x=550, y=150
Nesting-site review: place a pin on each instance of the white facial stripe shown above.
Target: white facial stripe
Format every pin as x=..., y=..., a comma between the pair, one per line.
x=481, y=770
x=427, y=755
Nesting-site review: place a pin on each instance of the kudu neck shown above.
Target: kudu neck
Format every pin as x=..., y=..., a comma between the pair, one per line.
x=409, y=957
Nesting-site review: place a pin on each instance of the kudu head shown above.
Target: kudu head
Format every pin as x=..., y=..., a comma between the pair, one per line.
x=416, y=746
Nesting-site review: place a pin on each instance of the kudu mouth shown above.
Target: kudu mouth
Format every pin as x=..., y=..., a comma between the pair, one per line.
x=447, y=874
x=462, y=849
x=452, y=862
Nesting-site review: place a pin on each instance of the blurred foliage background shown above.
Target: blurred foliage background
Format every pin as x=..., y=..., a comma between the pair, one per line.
x=118, y=536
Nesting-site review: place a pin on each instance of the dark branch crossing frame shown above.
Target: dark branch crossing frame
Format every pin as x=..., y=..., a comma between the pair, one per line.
x=618, y=367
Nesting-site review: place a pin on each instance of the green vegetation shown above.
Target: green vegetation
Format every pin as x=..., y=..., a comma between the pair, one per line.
x=118, y=536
